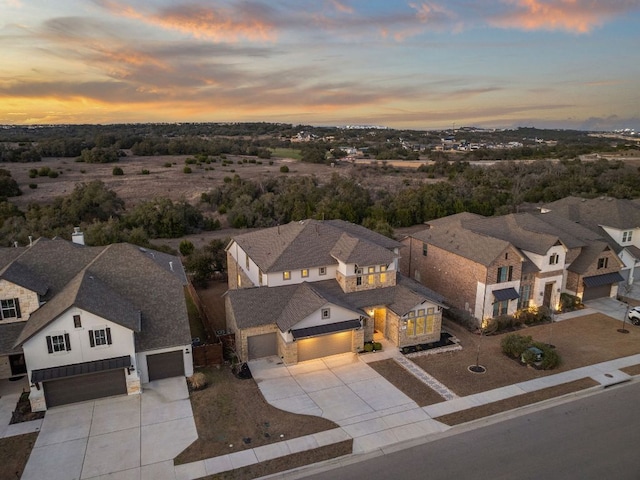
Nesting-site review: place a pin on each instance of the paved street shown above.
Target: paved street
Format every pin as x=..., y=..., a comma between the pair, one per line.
x=592, y=438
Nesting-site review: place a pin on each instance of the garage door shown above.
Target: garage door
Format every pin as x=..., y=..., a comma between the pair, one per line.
x=165, y=365
x=261, y=346
x=84, y=387
x=596, y=292
x=324, y=345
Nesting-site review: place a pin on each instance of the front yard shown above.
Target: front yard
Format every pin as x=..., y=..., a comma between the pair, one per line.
x=232, y=415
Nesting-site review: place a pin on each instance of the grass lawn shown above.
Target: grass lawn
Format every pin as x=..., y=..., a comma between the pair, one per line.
x=232, y=415
x=286, y=153
x=14, y=453
x=481, y=411
x=580, y=342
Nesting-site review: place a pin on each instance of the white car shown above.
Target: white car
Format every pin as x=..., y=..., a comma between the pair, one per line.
x=634, y=315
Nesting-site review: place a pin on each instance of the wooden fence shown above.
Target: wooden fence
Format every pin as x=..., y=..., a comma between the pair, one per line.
x=208, y=355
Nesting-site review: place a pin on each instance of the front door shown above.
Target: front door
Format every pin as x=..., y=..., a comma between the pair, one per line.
x=379, y=320
x=548, y=292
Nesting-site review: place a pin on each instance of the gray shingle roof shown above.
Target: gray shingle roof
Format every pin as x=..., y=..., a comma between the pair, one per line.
x=22, y=275
x=349, y=249
x=288, y=305
x=588, y=256
x=522, y=230
x=9, y=333
x=480, y=248
x=130, y=286
x=612, y=212
x=307, y=244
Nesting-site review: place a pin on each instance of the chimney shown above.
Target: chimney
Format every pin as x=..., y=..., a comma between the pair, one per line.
x=77, y=236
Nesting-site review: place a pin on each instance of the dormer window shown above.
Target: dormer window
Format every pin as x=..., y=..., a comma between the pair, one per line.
x=603, y=262
x=626, y=236
x=304, y=272
x=322, y=271
x=326, y=313
x=286, y=275
x=553, y=259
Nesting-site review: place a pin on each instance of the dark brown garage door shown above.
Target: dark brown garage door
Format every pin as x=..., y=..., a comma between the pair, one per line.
x=261, y=346
x=324, y=345
x=85, y=387
x=596, y=292
x=165, y=365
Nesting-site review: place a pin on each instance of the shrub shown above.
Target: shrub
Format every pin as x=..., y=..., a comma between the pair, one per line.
x=568, y=302
x=377, y=346
x=33, y=186
x=167, y=164
x=197, y=381
x=44, y=171
x=117, y=171
x=53, y=174
x=186, y=170
x=513, y=345
x=190, y=161
x=284, y=169
x=33, y=173
x=186, y=247
x=550, y=357
x=145, y=172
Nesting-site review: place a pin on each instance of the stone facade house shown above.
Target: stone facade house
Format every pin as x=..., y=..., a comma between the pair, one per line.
x=614, y=220
x=315, y=288
x=87, y=322
x=489, y=266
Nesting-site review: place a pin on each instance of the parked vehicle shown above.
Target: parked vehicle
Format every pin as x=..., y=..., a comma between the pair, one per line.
x=634, y=315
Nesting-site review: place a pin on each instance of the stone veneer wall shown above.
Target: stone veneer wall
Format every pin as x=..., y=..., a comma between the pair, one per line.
x=349, y=283
x=405, y=340
x=29, y=301
x=233, y=270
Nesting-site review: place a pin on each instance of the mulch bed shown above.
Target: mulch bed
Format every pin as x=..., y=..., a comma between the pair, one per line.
x=14, y=453
x=23, y=412
x=631, y=370
x=474, y=413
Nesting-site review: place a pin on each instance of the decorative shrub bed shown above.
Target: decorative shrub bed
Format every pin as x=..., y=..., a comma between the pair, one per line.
x=518, y=347
x=445, y=340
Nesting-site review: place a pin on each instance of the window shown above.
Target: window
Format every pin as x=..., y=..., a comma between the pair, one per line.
x=77, y=323
x=10, y=308
x=370, y=279
x=603, y=262
x=626, y=236
x=506, y=256
x=553, y=259
x=504, y=274
x=58, y=343
x=420, y=322
x=525, y=295
x=500, y=308
x=358, y=280
x=304, y=272
x=425, y=249
x=100, y=337
x=371, y=269
x=260, y=279
x=246, y=261
x=325, y=313
x=383, y=275
x=322, y=271
x=286, y=275
x=431, y=320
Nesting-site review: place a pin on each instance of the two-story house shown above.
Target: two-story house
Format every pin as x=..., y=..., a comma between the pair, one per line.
x=87, y=322
x=476, y=273
x=617, y=221
x=521, y=260
x=313, y=288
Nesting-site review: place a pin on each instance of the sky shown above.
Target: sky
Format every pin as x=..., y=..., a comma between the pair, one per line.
x=403, y=64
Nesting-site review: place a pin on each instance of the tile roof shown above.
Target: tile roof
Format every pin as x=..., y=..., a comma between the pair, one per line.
x=307, y=243
x=139, y=288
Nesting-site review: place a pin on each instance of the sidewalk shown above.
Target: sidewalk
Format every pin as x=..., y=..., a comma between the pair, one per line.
x=387, y=428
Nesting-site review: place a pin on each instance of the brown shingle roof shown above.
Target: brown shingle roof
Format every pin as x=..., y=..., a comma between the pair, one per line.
x=593, y=212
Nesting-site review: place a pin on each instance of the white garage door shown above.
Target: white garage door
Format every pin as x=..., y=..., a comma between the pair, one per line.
x=324, y=345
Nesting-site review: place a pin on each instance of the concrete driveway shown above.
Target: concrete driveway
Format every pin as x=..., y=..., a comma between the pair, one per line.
x=346, y=390
x=124, y=437
x=608, y=306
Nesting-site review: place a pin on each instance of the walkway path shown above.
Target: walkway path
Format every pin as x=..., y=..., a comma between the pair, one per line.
x=395, y=427
x=425, y=378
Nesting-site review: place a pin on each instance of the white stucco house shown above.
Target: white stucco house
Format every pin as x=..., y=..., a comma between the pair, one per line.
x=90, y=322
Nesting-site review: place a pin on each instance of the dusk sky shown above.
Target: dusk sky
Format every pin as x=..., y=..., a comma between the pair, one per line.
x=402, y=64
